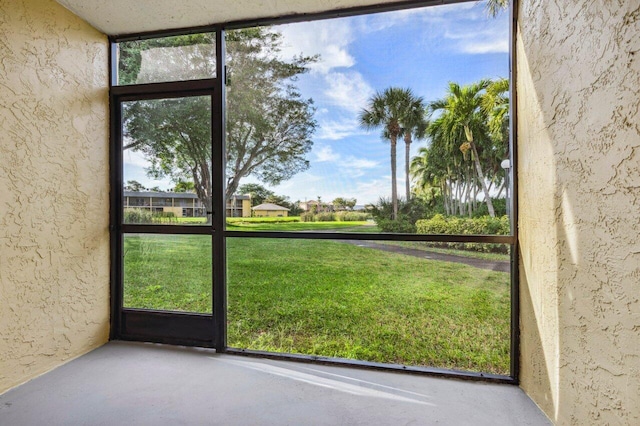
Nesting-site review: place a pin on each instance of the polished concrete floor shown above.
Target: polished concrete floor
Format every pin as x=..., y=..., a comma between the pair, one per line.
x=146, y=384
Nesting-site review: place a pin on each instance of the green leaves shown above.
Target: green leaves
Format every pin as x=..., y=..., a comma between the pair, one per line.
x=269, y=124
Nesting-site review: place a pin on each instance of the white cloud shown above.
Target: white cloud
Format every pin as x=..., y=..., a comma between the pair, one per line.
x=134, y=158
x=429, y=15
x=338, y=129
x=361, y=163
x=347, y=90
x=488, y=46
x=325, y=153
x=328, y=39
x=479, y=36
x=134, y=168
x=369, y=192
x=460, y=27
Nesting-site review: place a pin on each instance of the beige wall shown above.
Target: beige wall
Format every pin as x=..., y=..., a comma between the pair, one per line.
x=54, y=243
x=246, y=208
x=578, y=80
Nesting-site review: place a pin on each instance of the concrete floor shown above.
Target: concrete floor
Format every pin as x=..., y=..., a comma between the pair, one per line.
x=146, y=384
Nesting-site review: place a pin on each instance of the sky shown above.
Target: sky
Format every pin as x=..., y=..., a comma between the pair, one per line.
x=421, y=49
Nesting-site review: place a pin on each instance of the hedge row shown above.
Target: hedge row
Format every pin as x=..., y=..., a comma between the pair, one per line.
x=484, y=225
x=334, y=217
x=146, y=216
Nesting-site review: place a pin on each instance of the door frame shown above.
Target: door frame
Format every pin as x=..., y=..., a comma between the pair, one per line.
x=182, y=328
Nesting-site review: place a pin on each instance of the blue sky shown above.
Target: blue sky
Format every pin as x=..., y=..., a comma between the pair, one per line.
x=422, y=49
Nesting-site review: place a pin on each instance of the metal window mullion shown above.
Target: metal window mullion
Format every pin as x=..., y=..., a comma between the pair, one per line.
x=218, y=201
x=513, y=219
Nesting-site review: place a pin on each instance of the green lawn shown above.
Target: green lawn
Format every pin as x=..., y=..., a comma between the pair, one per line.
x=328, y=298
x=424, y=246
x=294, y=226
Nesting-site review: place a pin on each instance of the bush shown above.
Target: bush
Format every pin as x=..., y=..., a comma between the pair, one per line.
x=345, y=216
x=399, y=226
x=408, y=213
x=499, y=205
x=163, y=217
x=138, y=216
x=485, y=225
x=325, y=217
x=342, y=216
x=306, y=217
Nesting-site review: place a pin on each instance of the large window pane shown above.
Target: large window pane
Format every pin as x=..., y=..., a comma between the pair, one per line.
x=371, y=301
x=398, y=120
x=168, y=272
x=167, y=161
x=178, y=58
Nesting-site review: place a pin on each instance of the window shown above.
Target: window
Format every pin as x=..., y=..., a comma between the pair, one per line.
x=357, y=205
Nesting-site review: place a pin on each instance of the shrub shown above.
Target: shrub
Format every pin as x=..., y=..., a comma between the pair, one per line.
x=137, y=216
x=347, y=216
x=408, y=213
x=325, y=217
x=356, y=217
x=306, y=217
x=499, y=205
x=163, y=217
x=399, y=226
x=485, y=225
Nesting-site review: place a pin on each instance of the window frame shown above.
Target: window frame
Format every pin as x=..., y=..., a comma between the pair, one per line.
x=218, y=230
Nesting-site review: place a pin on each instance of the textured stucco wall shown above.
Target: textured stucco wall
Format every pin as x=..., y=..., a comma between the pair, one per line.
x=54, y=243
x=578, y=80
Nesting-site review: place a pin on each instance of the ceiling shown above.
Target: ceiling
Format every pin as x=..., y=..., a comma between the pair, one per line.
x=119, y=17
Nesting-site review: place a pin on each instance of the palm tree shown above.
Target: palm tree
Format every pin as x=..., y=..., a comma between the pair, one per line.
x=462, y=117
x=413, y=125
x=495, y=6
x=385, y=110
x=495, y=104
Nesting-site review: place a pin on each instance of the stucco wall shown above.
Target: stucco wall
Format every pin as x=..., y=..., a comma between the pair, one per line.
x=54, y=244
x=578, y=80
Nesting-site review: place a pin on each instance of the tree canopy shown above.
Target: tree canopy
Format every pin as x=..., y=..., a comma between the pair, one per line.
x=269, y=125
x=468, y=138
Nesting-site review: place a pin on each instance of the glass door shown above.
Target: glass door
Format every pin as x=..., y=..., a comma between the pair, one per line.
x=164, y=216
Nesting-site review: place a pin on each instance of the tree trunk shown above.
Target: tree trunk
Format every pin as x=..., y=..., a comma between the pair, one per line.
x=394, y=189
x=445, y=196
x=487, y=198
x=407, y=160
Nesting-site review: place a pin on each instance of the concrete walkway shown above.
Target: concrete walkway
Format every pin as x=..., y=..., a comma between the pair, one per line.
x=492, y=265
x=147, y=384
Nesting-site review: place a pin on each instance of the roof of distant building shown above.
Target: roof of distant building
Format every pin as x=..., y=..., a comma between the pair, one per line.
x=269, y=206
x=189, y=195
x=153, y=194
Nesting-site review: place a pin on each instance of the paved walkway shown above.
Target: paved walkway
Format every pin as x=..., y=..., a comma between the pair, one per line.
x=493, y=265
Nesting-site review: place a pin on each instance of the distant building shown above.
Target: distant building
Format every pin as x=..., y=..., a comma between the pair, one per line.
x=316, y=206
x=270, y=210
x=182, y=204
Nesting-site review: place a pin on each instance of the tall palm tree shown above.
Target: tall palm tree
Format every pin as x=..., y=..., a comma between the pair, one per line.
x=413, y=124
x=385, y=110
x=495, y=104
x=463, y=118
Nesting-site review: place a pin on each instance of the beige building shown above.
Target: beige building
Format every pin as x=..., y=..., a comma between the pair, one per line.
x=182, y=204
x=577, y=74
x=270, y=210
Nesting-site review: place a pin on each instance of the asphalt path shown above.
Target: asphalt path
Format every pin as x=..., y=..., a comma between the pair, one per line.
x=492, y=265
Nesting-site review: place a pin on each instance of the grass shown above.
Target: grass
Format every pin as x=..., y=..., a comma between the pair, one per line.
x=328, y=298
x=292, y=226
x=235, y=220
x=168, y=272
x=425, y=246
